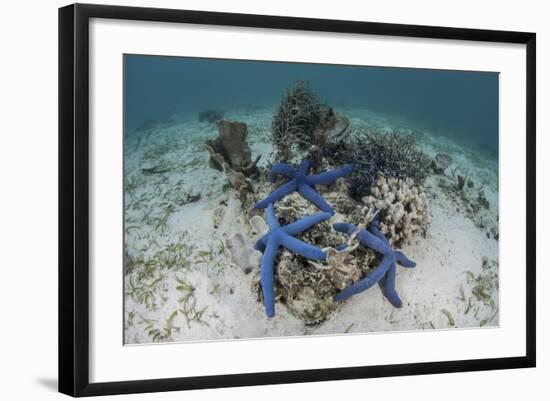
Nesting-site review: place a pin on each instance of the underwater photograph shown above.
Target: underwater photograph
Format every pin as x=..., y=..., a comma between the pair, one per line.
x=274, y=199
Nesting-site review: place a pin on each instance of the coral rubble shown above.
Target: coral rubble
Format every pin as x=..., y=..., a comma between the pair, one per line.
x=385, y=272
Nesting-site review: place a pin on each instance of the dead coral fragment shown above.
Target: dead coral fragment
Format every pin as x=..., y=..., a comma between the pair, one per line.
x=230, y=153
x=403, y=208
x=231, y=147
x=243, y=253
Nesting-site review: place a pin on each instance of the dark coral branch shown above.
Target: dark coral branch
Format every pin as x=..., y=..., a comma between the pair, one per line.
x=374, y=154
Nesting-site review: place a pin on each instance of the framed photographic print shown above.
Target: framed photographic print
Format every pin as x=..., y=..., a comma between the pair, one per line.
x=279, y=199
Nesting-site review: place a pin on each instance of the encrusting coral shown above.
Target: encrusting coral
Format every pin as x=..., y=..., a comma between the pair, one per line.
x=403, y=208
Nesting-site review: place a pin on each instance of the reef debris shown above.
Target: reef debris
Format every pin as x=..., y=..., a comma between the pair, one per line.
x=188, y=198
x=308, y=288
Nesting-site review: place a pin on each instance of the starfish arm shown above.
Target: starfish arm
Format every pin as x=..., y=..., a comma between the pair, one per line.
x=272, y=221
x=375, y=230
x=341, y=247
x=368, y=281
x=278, y=194
x=301, y=248
x=374, y=225
x=304, y=224
x=266, y=278
x=345, y=228
x=389, y=287
x=304, y=166
x=403, y=260
x=373, y=242
x=262, y=243
x=328, y=177
x=313, y=196
x=282, y=169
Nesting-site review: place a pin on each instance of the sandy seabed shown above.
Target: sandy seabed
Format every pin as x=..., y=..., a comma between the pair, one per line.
x=180, y=284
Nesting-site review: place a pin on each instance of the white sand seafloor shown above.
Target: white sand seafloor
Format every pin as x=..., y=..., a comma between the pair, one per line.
x=181, y=285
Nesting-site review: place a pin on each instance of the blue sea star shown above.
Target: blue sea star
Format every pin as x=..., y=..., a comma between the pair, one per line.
x=303, y=183
x=269, y=243
x=387, y=284
x=385, y=272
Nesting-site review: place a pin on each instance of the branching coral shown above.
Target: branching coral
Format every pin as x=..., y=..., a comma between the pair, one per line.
x=295, y=119
x=403, y=208
x=372, y=154
x=302, y=121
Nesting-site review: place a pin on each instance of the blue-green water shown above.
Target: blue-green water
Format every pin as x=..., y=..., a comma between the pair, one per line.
x=459, y=104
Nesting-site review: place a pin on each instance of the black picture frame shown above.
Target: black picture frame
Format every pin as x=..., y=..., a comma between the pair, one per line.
x=74, y=198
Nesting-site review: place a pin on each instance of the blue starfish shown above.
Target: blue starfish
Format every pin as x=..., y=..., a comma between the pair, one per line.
x=303, y=183
x=277, y=236
x=385, y=272
x=387, y=284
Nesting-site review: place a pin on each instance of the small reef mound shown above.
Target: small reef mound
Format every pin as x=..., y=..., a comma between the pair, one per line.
x=323, y=172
